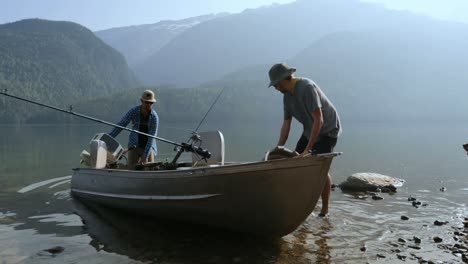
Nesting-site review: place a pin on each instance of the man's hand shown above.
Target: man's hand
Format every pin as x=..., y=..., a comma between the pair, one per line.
x=142, y=160
x=277, y=148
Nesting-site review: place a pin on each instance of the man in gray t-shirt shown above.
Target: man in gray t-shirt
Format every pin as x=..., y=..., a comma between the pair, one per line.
x=306, y=102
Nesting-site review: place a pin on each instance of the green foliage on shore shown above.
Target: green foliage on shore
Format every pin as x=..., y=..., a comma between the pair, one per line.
x=239, y=101
x=57, y=63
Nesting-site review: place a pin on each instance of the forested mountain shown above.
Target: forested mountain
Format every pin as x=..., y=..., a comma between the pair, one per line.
x=137, y=43
x=58, y=63
x=374, y=64
x=410, y=75
x=240, y=101
x=261, y=36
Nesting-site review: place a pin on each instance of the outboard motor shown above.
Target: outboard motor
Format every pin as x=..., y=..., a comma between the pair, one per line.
x=103, y=150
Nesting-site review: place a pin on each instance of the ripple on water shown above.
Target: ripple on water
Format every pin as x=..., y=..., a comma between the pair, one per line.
x=60, y=219
x=63, y=195
x=37, y=185
x=377, y=225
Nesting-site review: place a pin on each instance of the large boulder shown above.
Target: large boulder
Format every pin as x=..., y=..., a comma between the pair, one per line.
x=367, y=181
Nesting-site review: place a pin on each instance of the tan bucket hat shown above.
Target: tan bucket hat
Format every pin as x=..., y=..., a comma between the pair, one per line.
x=148, y=96
x=279, y=72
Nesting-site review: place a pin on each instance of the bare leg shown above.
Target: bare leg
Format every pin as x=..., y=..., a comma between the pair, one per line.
x=133, y=156
x=151, y=157
x=132, y=159
x=326, y=195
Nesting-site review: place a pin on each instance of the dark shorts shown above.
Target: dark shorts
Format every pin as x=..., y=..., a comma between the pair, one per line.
x=324, y=144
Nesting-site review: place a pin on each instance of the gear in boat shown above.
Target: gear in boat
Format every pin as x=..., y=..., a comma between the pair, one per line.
x=106, y=152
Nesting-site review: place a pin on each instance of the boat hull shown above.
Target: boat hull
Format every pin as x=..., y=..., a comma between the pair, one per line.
x=268, y=198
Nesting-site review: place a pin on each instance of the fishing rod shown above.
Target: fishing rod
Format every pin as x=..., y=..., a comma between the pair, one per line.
x=206, y=114
x=195, y=137
x=182, y=146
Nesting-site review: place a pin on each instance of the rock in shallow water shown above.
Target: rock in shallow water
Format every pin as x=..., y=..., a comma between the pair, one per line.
x=55, y=250
x=367, y=181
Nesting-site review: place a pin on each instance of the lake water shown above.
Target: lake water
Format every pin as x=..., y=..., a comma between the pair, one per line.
x=37, y=212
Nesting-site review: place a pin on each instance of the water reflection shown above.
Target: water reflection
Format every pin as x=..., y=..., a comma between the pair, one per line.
x=146, y=239
x=43, y=212
x=46, y=216
x=309, y=243
x=354, y=222
x=60, y=180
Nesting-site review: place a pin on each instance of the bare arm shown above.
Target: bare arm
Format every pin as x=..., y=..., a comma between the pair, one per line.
x=317, y=117
x=284, y=132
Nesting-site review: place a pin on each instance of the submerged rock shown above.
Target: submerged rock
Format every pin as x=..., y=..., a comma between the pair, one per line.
x=440, y=223
x=376, y=197
x=7, y=220
x=55, y=250
x=367, y=181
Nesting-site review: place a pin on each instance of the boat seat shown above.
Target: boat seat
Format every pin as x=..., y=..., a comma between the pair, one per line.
x=213, y=141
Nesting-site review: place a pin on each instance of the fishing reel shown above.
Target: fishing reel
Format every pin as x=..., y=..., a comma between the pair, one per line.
x=190, y=146
x=204, y=153
x=195, y=137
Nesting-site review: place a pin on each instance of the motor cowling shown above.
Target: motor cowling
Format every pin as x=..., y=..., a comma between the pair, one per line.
x=103, y=150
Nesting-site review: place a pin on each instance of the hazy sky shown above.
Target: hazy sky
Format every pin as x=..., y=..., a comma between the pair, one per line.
x=104, y=14
x=455, y=10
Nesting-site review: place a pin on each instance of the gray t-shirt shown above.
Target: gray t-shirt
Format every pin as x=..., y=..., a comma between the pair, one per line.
x=306, y=98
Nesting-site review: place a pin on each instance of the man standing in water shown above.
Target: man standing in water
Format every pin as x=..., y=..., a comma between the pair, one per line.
x=146, y=120
x=305, y=101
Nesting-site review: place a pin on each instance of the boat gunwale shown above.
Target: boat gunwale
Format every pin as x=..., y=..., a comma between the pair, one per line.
x=193, y=172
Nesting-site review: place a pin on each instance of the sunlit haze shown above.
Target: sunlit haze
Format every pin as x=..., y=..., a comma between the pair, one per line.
x=454, y=10
x=104, y=14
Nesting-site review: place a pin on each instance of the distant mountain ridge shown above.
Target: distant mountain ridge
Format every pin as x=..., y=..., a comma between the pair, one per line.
x=391, y=74
x=58, y=63
x=386, y=66
x=137, y=43
x=374, y=63
x=258, y=36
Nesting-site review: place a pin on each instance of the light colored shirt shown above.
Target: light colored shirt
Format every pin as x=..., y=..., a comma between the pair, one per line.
x=307, y=97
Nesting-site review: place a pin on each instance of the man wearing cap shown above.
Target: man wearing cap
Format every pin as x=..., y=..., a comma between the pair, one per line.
x=305, y=101
x=146, y=120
